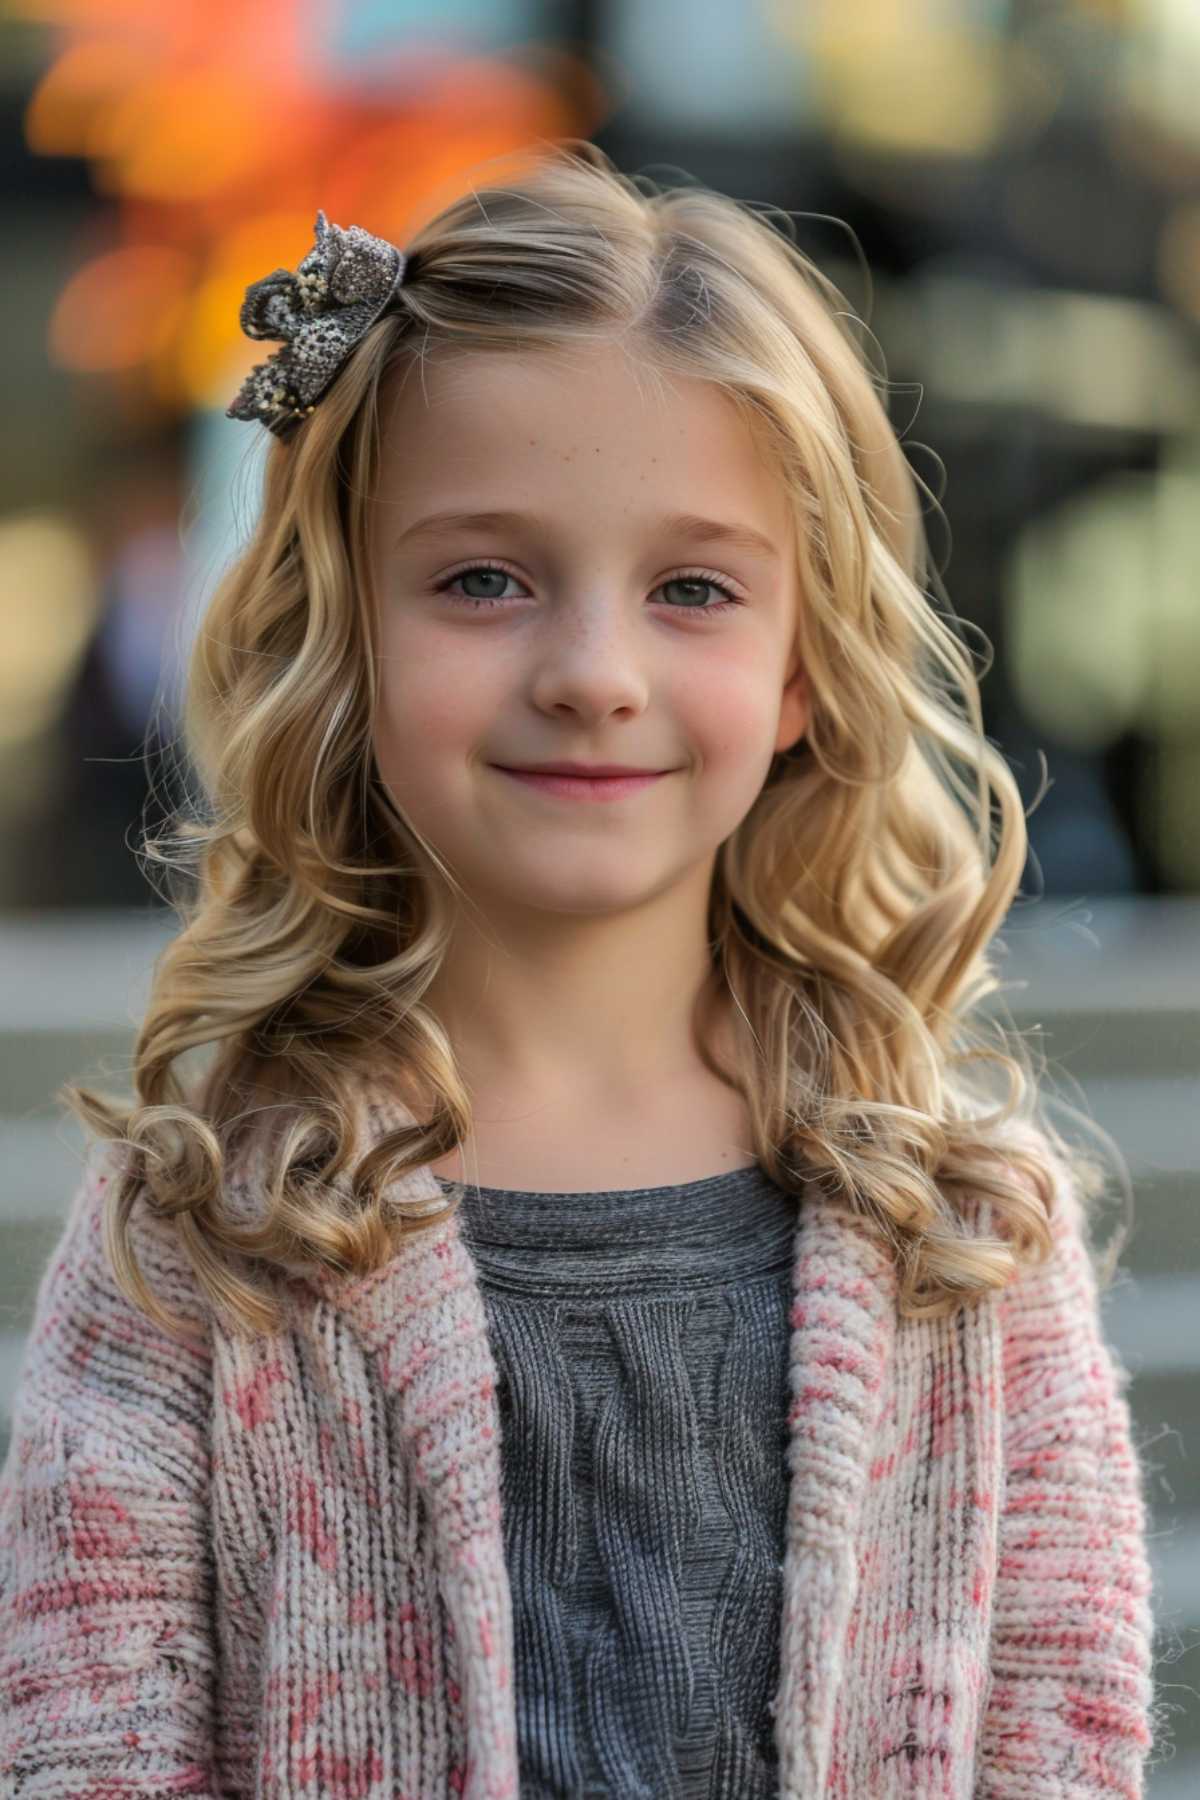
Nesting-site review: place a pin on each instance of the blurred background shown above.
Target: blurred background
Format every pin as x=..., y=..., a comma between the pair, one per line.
x=1008, y=193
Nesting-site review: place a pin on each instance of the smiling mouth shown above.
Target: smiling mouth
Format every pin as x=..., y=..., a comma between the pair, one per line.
x=583, y=787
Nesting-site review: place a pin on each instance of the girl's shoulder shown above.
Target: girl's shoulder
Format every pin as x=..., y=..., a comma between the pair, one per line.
x=95, y=1368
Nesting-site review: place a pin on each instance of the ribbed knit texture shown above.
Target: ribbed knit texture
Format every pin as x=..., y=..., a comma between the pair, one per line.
x=276, y=1569
x=641, y=1339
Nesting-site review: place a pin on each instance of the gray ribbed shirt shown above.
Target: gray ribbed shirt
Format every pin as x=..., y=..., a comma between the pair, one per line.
x=641, y=1344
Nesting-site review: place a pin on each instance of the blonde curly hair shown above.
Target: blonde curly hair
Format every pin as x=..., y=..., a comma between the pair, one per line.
x=852, y=913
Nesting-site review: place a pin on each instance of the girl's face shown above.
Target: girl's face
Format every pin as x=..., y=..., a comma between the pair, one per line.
x=581, y=605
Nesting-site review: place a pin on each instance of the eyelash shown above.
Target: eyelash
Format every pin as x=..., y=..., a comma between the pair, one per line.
x=696, y=575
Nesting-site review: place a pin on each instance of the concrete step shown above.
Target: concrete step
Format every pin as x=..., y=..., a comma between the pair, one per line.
x=1175, y=1780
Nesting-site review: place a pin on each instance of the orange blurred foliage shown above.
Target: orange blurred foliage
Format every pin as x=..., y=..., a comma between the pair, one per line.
x=219, y=129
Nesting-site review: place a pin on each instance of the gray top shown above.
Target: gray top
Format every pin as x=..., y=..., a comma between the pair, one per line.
x=641, y=1344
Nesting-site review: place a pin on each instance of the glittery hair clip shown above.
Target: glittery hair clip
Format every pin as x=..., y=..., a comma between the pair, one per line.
x=338, y=291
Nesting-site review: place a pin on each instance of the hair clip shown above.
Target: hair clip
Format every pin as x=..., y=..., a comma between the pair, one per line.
x=320, y=313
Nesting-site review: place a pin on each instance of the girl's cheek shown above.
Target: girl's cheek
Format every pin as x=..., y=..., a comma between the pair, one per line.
x=734, y=713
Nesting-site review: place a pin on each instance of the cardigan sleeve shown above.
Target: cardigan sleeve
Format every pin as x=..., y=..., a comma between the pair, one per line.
x=1070, y=1706
x=106, y=1642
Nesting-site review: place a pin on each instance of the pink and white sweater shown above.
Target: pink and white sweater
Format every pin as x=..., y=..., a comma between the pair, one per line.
x=276, y=1569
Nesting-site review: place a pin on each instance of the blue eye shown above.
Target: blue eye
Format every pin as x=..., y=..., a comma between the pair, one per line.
x=485, y=569
x=687, y=578
x=702, y=581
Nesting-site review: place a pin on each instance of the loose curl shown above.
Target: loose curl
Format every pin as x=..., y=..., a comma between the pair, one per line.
x=852, y=913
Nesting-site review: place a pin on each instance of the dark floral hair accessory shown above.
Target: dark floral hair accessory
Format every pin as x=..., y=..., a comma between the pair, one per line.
x=338, y=291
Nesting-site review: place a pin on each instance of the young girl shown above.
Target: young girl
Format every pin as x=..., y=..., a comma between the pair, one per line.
x=587, y=1329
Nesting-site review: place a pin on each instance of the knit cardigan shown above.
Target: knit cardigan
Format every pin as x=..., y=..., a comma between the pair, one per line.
x=274, y=1568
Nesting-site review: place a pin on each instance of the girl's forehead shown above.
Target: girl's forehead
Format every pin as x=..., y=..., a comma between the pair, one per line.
x=588, y=415
x=566, y=384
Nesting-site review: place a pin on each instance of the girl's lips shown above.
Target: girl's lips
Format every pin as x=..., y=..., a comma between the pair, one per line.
x=584, y=787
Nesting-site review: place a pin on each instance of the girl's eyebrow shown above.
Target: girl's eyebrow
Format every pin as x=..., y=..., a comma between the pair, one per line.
x=689, y=525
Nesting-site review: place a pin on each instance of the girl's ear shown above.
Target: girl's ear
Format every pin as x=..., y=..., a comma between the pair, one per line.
x=795, y=708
